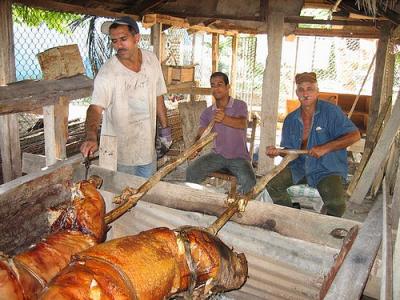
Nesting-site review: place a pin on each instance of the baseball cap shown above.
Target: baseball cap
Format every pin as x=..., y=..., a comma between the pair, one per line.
x=105, y=27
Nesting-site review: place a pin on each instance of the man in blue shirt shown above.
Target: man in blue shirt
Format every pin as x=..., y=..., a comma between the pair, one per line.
x=325, y=131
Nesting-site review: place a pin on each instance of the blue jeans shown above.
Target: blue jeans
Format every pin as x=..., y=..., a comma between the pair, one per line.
x=211, y=162
x=142, y=170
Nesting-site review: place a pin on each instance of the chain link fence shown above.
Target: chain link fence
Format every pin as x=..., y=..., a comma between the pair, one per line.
x=340, y=63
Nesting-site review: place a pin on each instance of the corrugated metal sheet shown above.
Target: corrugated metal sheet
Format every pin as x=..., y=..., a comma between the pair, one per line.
x=279, y=267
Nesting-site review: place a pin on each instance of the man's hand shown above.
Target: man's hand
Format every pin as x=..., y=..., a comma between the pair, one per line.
x=88, y=148
x=271, y=151
x=219, y=115
x=318, y=151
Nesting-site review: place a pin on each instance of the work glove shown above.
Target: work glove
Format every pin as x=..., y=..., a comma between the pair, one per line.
x=166, y=137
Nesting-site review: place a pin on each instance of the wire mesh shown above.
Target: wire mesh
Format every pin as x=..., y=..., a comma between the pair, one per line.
x=340, y=63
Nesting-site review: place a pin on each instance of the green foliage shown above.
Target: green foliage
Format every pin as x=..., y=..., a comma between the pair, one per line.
x=34, y=17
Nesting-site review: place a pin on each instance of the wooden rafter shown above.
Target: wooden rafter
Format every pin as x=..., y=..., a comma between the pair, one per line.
x=149, y=5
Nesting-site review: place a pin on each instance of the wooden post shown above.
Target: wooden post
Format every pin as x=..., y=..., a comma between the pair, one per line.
x=387, y=246
x=396, y=266
x=49, y=135
x=378, y=156
x=372, y=140
x=156, y=40
x=378, y=77
x=9, y=131
x=396, y=201
x=215, y=52
x=235, y=43
x=270, y=93
x=56, y=63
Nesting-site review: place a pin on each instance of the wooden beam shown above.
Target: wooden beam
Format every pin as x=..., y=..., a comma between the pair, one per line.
x=396, y=201
x=396, y=266
x=214, y=52
x=9, y=128
x=270, y=91
x=61, y=112
x=351, y=278
x=23, y=203
x=366, y=33
x=387, y=246
x=311, y=20
x=378, y=156
x=151, y=19
x=187, y=88
x=76, y=8
x=49, y=134
x=315, y=228
x=30, y=95
x=235, y=44
x=377, y=84
x=156, y=40
x=149, y=5
x=369, y=146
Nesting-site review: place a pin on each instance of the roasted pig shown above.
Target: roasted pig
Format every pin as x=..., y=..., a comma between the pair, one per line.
x=80, y=226
x=154, y=264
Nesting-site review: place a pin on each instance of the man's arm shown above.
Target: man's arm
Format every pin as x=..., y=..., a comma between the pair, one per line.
x=162, y=112
x=234, y=122
x=93, y=118
x=340, y=143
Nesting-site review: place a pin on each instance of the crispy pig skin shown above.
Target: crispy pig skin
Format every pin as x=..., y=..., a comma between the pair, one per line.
x=150, y=265
x=86, y=213
x=24, y=276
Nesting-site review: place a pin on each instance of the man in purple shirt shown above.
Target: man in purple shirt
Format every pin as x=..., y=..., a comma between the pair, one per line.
x=230, y=150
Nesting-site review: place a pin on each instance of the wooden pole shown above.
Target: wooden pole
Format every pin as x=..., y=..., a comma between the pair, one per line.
x=378, y=77
x=378, y=156
x=270, y=91
x=369, y=146
x=131, y=197
x=156, y=40
x=215, y=52
x=236, y=205
x=9, y=133
x=361, y=87
x=235, y=43
x=387, y=246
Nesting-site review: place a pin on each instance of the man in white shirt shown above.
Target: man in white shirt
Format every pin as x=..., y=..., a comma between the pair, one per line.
x=128, y=92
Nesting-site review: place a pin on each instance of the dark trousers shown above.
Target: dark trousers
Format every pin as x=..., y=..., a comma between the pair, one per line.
x=330, y=188
x=199, y=169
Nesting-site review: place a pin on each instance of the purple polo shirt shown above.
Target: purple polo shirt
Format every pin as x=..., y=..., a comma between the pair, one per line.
x=230, y=142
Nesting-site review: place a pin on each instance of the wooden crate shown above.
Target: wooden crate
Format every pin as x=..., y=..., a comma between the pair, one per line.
x=60, y=62
x=177, y=74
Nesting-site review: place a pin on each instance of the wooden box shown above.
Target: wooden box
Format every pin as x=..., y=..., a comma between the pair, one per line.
x=60, y=62
x=177, y=74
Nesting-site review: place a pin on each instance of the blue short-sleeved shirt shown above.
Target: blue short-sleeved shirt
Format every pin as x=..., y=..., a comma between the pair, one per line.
x=329, y=123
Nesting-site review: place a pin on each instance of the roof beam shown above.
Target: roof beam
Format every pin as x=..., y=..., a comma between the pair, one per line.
x=308, y=20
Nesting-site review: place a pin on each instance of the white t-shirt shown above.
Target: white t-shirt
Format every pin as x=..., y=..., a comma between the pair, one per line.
x=129, y=100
